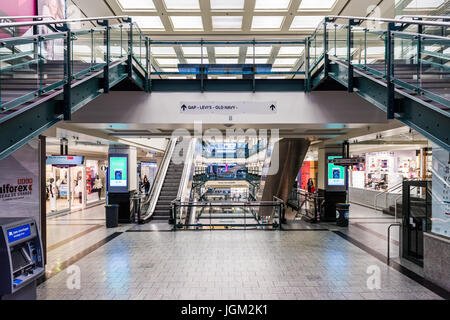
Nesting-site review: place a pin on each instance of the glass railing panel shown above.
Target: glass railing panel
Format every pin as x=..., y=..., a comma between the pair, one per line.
x=82, y=53
x=19, y=72
x=99, y=48
x=405, y=63
x=52, y=59
x=375, y=52
x=337, y=45
x=118, y=42
x=357, y=51
x=434, y=69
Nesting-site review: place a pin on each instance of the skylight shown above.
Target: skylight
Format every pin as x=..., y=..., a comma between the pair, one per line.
x=226, y=61
x=227, y=50
x=196, y=61
x=281, y=69
x=290, y=51
x=228, y=4
x=187, y=22
x=148, y=22
x=167, y=62
x=194, y=51
x=285, y=61
x=272, y=4
x=136, y=4
x=316, y=4
x=182, y=5
x=229, y=22
x=306, y=22
x=169, y=70
x=257, y=61
x=259, y=50
x=267, y=22
x=162, y=51
x=425, y=4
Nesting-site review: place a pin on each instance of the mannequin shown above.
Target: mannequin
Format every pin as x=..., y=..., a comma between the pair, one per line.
x=52, y=195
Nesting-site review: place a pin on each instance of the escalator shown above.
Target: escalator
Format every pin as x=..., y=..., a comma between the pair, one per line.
x=168, y=183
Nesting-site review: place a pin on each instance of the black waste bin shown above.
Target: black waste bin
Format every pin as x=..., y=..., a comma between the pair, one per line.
x=342, y=211
x=112, y=215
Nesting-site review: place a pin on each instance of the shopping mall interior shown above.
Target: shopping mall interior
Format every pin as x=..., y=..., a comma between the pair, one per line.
x=258, y=150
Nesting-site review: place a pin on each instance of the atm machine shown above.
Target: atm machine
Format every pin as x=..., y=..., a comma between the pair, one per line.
x=21, y=258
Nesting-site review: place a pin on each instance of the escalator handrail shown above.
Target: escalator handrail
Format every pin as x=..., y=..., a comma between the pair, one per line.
x=159, y=179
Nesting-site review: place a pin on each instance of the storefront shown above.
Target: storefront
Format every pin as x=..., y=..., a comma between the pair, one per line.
x=74, y=183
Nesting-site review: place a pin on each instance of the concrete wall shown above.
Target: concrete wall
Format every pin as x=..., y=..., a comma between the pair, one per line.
x=436, y=260
x=324, y=107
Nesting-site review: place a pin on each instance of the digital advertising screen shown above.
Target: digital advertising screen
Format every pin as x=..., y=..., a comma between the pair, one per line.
x=118, y=173
x=336, y=174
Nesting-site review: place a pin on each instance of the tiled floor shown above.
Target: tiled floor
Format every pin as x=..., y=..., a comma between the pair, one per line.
x=233, y=264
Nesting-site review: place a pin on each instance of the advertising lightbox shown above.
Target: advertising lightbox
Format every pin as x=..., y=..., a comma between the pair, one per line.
x=118, y=173
x=336, y=174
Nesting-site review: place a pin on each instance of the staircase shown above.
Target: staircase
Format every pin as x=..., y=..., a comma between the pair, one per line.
x=169, y=192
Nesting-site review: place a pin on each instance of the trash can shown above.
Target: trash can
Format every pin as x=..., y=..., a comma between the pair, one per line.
x=342, y=210
x=112, y=215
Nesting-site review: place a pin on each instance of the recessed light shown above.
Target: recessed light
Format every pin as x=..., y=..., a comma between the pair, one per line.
x=285, y=61
x=227, y=50
x=226, y=61
x=290, y=51
x=182, y=4
x=167, y=62
x=163, y=51
x=314, y=4
x=194, y=51
x=306, y=22
x=228, y=4
x=136, y=4
x=257, y=61
x=227, y=22
x=272, y=4
x=259, y=50
x=187, y=22
x=267, y=22
x=148, y=22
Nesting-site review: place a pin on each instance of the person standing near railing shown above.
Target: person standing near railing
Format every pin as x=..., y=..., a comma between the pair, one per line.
x=146, y=185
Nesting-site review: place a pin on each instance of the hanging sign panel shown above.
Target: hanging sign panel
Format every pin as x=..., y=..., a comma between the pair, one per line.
x=440, y=221
x=216, y=107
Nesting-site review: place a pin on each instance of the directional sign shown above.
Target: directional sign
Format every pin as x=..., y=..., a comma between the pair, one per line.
x=346, y=162
x=228, y=107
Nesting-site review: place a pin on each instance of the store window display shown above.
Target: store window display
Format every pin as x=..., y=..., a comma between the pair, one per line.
x=95, y=180
x=57, y=195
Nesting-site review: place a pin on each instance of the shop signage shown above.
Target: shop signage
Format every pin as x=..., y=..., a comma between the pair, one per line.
x=65, y=161
x=216, y=107
x=346, y=162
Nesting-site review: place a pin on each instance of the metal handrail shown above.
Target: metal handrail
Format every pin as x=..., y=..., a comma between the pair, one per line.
x=389, y=240
x=424, y=16
x=159, y=179
x=418, y=22
x=63, y=21
x=26, y=17
x=385, y=192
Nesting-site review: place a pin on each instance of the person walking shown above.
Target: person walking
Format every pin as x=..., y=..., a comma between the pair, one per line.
x=146, y=185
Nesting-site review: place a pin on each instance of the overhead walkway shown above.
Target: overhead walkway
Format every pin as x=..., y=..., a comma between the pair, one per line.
x=47, y=76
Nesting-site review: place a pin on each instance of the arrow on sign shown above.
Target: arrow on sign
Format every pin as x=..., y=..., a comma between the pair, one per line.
x=183, y=107
x=272, y=107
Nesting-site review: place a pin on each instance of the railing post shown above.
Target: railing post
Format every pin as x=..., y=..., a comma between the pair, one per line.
x=107, y=58
x=201, y=68
x=130, y=48
x=147, y=57
x=325, y=48
x=365, y=48
x=419, y=55
x=149, y=65
x=307, y=71
x=390, y=108
x=350, y=83
x=67, y=110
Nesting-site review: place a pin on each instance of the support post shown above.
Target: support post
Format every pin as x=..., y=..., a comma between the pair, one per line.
x=130, y=48
x=67, y=109
x=107, y=57
x=325, y=49
x=350, y=83
x=389, y=72
x=147, y=65
x=307, y=71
